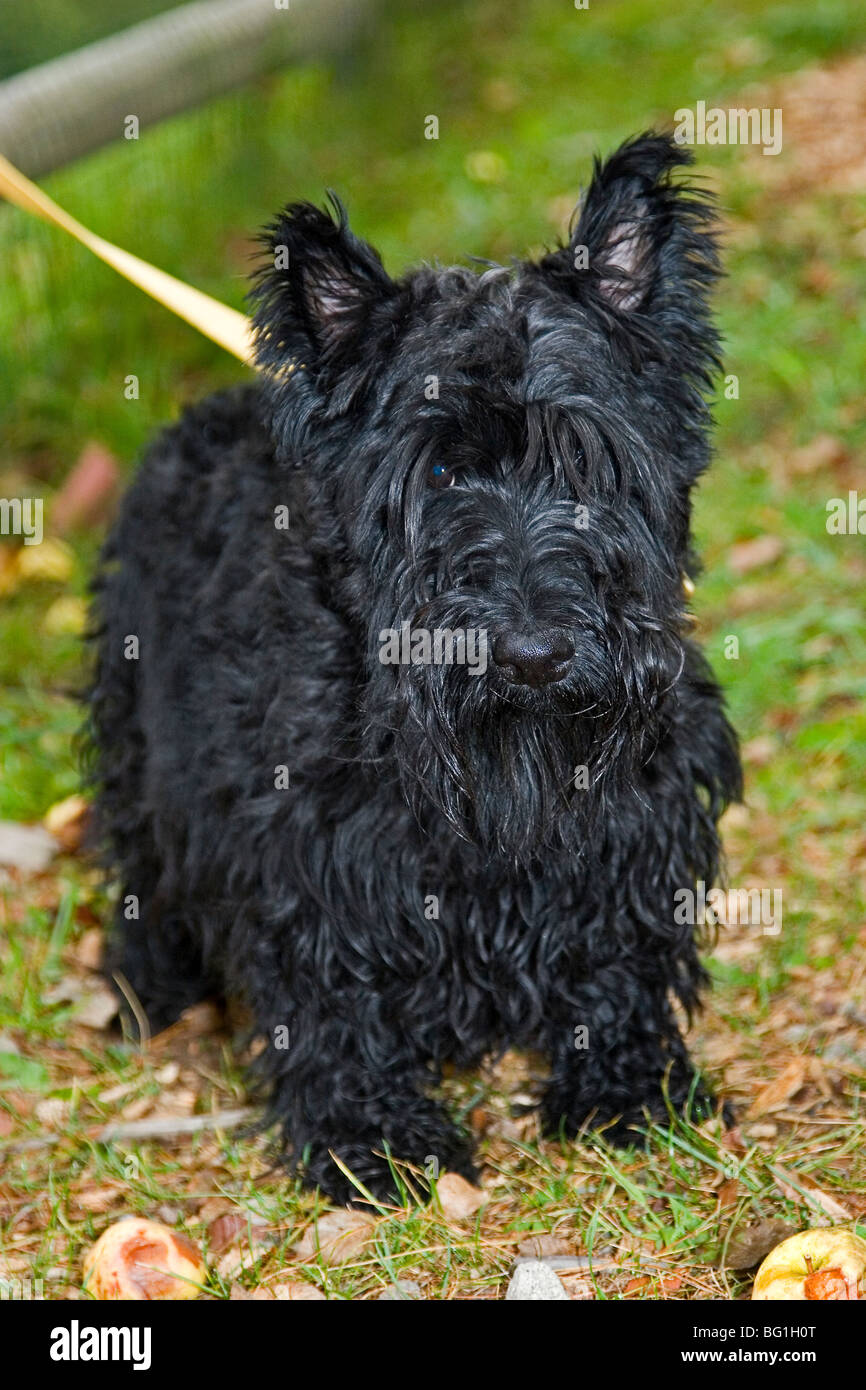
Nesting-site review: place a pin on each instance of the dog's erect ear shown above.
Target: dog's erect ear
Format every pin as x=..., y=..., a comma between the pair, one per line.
x=316, y=289
x=642, y=244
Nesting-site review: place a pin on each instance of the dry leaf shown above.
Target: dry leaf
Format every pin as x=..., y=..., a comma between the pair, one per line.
x=765, y=1131
x=200, y=1019
x=787, y=1084
x=97, y=1199
x=729, y=1192
x=88, y=493
x=89, y=950
x=823, y=451
x=336, y=1238
x=181, y=1102
x=226, y=1230
x=732, y=1140
x=212, y=1207
x=137, y=1109
x=243, y=1237
x=751, y=1244
x=67, y=821
x=577, y=1287
x=294, y=1289
x=637, y=1285
x=798, y=1188
x=752, y=555
x=241, y=1257
x=97, y=1006
x=116, y=1093
x=401, y=1291
x=53, y=1113
x=67, y=990
x=760, y=751
x=457, y=1197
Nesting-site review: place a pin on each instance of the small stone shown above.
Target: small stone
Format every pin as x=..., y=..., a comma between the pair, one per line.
x=534, y=1281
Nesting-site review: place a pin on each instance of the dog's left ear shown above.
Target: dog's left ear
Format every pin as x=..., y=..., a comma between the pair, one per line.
x=316, y=290
x=643, y=247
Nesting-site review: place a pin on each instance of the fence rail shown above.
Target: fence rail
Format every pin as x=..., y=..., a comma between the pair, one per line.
x=61, y=110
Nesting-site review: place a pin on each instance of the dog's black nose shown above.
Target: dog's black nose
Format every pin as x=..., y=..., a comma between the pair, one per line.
x=533, y=658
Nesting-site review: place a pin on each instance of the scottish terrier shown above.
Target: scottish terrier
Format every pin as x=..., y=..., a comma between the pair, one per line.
x=398, y=731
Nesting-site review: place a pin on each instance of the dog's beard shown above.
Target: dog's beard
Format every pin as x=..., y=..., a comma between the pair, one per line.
x=520, y=773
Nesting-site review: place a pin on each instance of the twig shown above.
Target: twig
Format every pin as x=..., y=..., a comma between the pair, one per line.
x=167, y=1126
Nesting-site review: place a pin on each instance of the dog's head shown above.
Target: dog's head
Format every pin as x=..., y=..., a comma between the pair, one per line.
x=499, y=469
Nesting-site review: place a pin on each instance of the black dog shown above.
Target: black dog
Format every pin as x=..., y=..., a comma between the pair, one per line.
x=397, y=731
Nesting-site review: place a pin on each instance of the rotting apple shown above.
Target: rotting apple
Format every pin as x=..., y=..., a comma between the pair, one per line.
x=141, y=1259
x=828, y=1264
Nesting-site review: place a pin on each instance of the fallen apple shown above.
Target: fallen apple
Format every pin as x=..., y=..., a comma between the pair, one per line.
x=827, y=1264
x=139, y=1259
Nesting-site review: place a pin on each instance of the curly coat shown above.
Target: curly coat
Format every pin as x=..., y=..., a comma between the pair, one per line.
x=395, y=866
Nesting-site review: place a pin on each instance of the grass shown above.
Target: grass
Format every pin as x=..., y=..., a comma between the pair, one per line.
x=539, y=87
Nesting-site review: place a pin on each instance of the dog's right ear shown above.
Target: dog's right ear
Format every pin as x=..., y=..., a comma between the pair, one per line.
x=316, y=289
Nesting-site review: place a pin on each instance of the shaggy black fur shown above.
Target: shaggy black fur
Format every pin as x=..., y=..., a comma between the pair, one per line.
x=434, y=882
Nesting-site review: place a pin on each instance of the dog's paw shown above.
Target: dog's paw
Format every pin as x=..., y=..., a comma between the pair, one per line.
x=391, y=1177
x=625, y=1126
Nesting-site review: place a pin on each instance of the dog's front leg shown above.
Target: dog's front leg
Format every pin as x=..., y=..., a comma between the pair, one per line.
x=345, y=1080
x=618, y=1057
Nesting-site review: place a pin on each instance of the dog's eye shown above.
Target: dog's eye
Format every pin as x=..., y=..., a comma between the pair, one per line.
x=439, y=475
